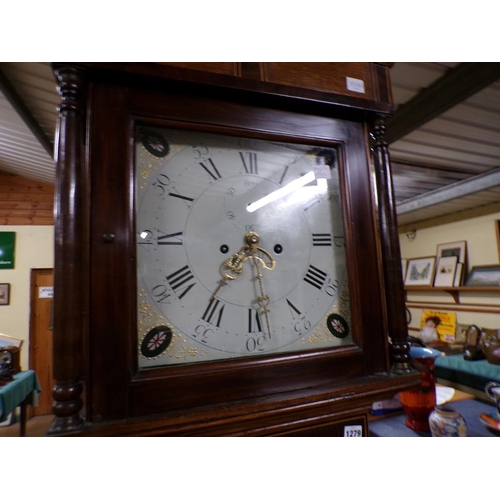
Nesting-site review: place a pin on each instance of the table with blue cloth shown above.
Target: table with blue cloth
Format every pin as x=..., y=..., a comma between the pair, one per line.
x=475, y=374
x=21, y=391
x=470, y=410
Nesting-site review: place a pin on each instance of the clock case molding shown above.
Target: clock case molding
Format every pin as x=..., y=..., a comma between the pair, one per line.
x=99, y=389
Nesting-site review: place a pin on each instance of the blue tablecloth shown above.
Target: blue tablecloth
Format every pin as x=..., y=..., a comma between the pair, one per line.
x=469, y=409
x=24, y=386
x=475, y=374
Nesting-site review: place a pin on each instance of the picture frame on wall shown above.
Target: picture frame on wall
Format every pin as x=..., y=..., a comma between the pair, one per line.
x=484, y=276
x=459, y=274
x=4, y=294
x=7, y=340
x=445, y=271
x=457, y=248
x=420, y=271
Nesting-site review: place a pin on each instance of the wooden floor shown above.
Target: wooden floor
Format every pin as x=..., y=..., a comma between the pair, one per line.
x=35, y=427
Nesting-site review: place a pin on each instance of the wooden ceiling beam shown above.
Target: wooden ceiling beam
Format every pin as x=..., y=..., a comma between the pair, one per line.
x=25, y=113
x=456, y=85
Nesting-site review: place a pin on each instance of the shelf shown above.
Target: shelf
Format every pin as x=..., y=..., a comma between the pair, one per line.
x=454, y=291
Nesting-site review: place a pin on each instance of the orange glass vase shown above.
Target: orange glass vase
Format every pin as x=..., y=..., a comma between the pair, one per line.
x=418, y=403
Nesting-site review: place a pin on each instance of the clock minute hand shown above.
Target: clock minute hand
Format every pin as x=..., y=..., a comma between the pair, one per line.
x=252, y=239
x=262, y=300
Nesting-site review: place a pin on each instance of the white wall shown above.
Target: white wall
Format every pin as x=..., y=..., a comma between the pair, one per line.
x=482, y=249
x=34, y=250
x=479, y=232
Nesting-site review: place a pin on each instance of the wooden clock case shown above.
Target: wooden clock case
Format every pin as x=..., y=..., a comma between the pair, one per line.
x=99, y=388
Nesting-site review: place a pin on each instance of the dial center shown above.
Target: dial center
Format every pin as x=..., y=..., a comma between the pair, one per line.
x=220, y=218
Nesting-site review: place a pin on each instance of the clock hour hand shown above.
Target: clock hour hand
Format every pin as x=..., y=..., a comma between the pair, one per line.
x=231, y=269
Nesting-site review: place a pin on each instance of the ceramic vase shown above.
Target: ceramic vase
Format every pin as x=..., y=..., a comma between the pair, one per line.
x=419, y=402
x=445, y=421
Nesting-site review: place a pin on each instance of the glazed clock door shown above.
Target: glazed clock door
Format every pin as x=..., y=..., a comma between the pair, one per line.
x=234, y=253
x=207, y=290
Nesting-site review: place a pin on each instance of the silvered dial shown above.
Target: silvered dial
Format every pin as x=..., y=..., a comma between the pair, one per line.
x=240, y=248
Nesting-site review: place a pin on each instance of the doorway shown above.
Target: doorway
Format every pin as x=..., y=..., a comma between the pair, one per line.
x=40, y=346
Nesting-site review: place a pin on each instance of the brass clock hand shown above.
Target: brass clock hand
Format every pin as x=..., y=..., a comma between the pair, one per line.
x=262, y=300
x=252, y=239
x=231, y=269
x=222, y=282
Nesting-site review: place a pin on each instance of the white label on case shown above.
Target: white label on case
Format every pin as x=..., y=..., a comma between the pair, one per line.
x=353, y=431
x=355, y=85
x=46, y=292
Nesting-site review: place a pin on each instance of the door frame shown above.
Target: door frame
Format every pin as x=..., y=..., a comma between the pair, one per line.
x=33, y=353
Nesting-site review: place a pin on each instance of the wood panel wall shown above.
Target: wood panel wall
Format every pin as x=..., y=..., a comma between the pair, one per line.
x=24, y=202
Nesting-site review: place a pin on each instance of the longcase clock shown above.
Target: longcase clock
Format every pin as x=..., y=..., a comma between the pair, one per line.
x=222, y=267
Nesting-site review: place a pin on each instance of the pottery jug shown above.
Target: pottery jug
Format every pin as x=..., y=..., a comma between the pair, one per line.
x=445, y=421
x=492, y=389
x=491, y=347
x=419, y=402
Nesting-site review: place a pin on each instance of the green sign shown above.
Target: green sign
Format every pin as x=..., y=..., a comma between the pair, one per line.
x=7, y=249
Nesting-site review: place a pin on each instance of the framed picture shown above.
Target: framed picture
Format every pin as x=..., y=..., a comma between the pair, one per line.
x=459, y=273
x=4, y=294
x=457, y=249
x=445, y=271
x=420, y=271
x=6, y=340
x=484, y=276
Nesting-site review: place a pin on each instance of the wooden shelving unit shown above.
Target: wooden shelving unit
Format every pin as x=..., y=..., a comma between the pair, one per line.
x=454, y=291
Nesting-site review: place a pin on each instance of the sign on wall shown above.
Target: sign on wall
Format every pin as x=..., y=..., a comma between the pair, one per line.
x=46, y=292
x=7, y=249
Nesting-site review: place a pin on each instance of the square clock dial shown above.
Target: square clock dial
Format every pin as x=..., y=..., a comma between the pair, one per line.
x=240, y=248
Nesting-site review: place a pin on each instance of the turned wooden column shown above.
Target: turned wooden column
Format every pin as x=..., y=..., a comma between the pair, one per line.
x=70, y=256
x=391, y=254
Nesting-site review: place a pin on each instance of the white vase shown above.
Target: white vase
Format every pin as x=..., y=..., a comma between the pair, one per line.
x=445, y=421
